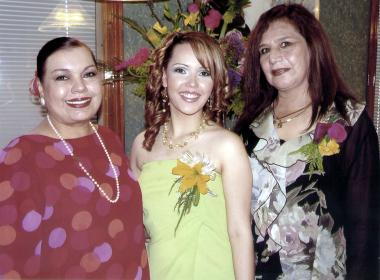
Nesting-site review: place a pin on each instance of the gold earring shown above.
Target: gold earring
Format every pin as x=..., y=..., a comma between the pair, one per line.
x=210, y=103
x=164, y=100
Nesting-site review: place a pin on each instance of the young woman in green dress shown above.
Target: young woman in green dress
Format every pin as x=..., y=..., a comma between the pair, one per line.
x=194, y=174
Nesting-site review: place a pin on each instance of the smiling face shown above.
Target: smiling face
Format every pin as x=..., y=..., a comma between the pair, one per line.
x=188, y=83
x=285, y=57
x=71, y=86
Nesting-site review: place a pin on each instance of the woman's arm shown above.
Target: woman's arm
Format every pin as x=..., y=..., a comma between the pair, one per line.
x=362, y=219
x=135, y=157
x=237, y=184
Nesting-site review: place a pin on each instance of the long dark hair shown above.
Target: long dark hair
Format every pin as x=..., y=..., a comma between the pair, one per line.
x=325, y=82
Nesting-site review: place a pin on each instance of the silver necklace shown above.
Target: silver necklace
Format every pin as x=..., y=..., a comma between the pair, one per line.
x=84, y=169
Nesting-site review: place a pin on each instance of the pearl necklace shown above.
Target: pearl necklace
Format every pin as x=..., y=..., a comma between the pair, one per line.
x=84, y=169
x=279, y=121
x=167, y=141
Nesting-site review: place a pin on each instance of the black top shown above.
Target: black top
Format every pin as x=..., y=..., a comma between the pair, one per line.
x=304, y=224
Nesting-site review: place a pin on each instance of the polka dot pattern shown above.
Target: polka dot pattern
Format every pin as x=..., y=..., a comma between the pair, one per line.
x=48, y=212
x=8, y=214
x=13, y=156
x=31, y=221
x=6, y=263
x=59, y=146
x=6, y=190
x=116, y=159
x=90, y=262
x=103, y=252
x=68, y=181
x=32, y=266
x=115, y=227
x=81, y=220
x=57, y=237
x=20, y=181
x=7, y=235
x=55, y=213
x=37, y=250
x=85, y=182
x=54, y=153
x=110, y=171
x=3, y=154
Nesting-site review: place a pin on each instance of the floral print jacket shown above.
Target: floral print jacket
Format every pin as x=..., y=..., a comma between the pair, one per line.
x=310, y=224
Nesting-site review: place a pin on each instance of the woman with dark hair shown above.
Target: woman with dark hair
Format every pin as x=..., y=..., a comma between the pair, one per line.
x=194, y=174
x=69, y=208
x=314, y=155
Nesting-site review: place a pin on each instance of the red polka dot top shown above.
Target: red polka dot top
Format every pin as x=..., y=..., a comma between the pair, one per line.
x=54, y=222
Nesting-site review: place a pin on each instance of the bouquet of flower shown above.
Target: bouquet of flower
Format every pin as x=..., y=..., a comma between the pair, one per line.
x=327, y=138
x=204, y=16
x=194, y=172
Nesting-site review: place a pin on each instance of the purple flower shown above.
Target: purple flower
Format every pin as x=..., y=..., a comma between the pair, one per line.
x=333, y=130
x=193, y=8
x=337, y=132
x=213, y=18
x=136, y=60
x=234, y=78
x=234, y=46
x=320, y=131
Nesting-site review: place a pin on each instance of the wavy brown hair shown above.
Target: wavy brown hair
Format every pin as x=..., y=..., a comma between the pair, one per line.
x=325, y=82
x=210, y=56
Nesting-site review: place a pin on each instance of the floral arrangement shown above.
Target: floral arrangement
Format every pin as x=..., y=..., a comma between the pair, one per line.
x=327, y=138
x=194, y=171
x=201, y=16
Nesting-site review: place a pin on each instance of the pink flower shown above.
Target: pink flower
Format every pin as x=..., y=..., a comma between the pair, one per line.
x=320, y=131
x=193, y=8
x=337, y=132
x=333, y=130
x=136, y=60
x=213, y=18
x=122, y=65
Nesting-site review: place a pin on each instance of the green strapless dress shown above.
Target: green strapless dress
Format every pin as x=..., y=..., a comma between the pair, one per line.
x=201, y=248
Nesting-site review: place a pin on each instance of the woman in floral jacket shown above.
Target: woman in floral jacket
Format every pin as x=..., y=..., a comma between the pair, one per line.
x=314, y=155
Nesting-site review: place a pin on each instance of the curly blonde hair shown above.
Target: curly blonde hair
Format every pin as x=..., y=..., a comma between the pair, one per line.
x=210, y=56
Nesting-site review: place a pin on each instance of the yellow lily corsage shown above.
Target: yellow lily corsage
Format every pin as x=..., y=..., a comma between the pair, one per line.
x=194, y=172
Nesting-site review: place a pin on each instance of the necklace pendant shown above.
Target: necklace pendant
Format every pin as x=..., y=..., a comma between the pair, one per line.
x=277, y=123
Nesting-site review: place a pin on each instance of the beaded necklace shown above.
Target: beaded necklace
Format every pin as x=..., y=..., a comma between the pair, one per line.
x=167, y=141
x=82, y=166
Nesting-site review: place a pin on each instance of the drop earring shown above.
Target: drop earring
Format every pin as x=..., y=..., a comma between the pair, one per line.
x=209, y=102
x=164, y=100
x=42, y=101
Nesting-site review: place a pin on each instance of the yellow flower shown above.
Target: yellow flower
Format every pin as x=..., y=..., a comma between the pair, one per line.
x=191, y=176
x=160, y=29
x=191, y=19
x=328, y=148
x=153, y=37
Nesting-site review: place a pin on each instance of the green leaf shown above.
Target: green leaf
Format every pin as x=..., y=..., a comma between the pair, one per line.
x=228, y=17
x=197, y=197
x=135, y=26
x=168, y=13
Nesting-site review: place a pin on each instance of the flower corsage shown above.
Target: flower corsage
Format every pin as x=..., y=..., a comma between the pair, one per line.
x=327, y=138
x=194, y=171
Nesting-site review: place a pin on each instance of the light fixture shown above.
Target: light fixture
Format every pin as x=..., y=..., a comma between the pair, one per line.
x=67, y=14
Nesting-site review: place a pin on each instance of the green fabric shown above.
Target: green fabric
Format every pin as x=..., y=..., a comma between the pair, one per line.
x=200, y=249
